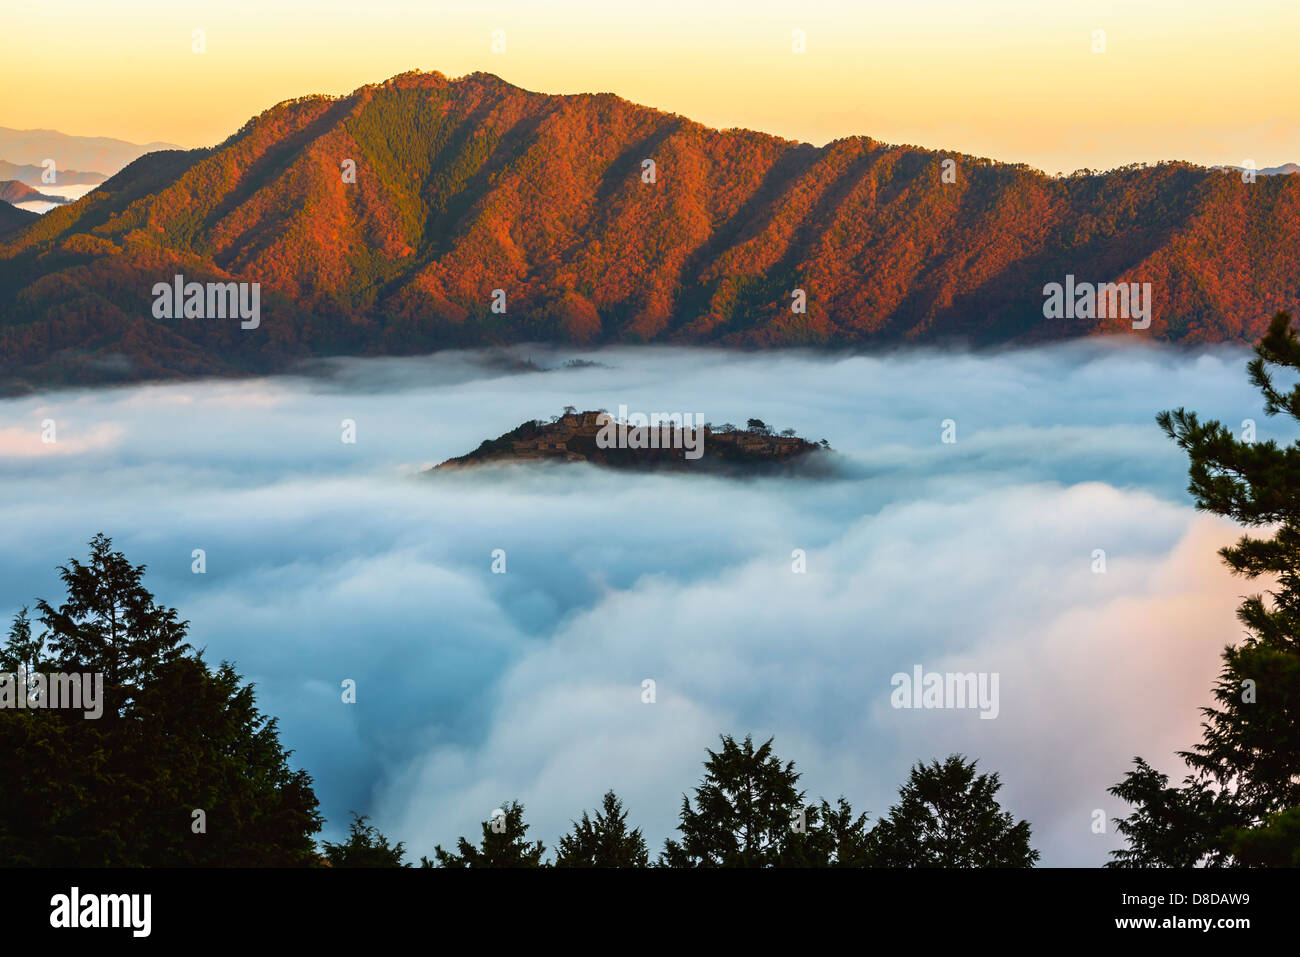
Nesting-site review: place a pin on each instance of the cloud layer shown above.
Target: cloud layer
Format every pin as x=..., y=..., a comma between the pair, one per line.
x=328, y=561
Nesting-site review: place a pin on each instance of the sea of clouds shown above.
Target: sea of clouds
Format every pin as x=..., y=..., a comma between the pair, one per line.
x=329, y=561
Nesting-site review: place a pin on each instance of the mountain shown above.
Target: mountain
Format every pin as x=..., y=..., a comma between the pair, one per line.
x=469, y=186
x=12, y=191
x=102, y=153
x=598, y=439
x=12, y=218
x=1286, y=169
x=30, y=175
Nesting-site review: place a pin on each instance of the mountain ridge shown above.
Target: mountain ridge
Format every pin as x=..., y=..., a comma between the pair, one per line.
x=13, y=219
x=468, y=186
x=103, y=154
x=14, y=191
x=35, y=176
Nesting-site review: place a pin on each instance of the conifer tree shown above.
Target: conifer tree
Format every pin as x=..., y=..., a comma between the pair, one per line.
x=22, y=654
x=838, y=838
x=1170, y=826
x=1275, y=843
x=604, y=842
x=948, y=816
x=181, y=769
x=109, y=622
x=1245, y=772
x=748, y=812
x=502, y=844
x=365, y=847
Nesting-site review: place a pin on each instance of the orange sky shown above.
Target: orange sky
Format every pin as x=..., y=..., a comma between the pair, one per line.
x=1017, y=80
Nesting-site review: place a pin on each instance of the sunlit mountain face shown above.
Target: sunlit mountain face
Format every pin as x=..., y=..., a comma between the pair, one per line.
x=426, y=213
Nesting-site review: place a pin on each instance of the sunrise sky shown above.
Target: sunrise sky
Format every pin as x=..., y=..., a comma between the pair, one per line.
x=1016, y=80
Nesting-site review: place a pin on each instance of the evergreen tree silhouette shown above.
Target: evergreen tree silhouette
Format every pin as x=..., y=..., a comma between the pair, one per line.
x=1245, y=773
x=182, y=769
x=365, y=847
x=948, y=816
x=604, y=842
x=502, y=844
x=749, y=812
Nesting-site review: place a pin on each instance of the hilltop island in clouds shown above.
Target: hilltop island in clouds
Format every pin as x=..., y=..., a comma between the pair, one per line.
x=644, y=442
x=424, y=213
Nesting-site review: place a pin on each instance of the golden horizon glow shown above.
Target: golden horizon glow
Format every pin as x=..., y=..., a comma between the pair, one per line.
x=1015, y=80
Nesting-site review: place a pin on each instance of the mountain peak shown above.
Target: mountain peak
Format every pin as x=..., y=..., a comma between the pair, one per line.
x=413, y=78
x=422, y=213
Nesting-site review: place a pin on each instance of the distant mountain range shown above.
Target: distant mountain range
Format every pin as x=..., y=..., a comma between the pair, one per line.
x=473, y=196
x=30, y=175
x=12, y=191
x=1286, y=169
x=100, y=153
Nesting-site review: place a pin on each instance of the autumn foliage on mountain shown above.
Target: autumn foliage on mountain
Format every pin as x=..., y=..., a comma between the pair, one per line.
x=464, y=187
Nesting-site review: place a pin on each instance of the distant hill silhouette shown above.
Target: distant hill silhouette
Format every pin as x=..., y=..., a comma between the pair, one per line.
x=1286, y=169
x=12, y=191
x=32, y=175
x=468, y=186
x=12, y=218
x=100, y=153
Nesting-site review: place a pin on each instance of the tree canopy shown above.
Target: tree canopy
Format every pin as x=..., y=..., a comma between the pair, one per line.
x=502, y=844
x=948, y=816
x=604, y=842
x=181, y=769
x=1237, y=805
